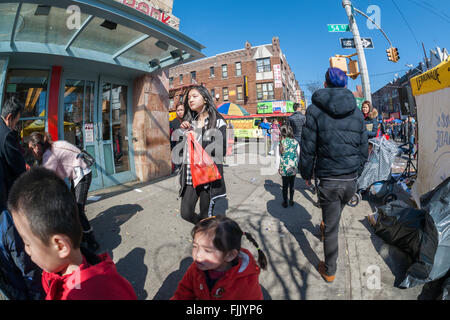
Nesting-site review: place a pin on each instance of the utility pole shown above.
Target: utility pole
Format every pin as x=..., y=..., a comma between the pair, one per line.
x=359, y=50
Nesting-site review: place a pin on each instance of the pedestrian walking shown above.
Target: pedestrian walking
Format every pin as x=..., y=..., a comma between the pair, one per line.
x=370, y=119
x=334, y=147
x=176, y=137
x=222, y=269
x=275, y=137
x=265, y=126
x=45, y=214
x=288, y=163
x=12, y=162
x=296, y=121
x=209, y=126
x=66, y=160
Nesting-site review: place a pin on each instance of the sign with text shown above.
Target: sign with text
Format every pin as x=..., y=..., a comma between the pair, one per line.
x=149, y=9
x=277, y=76
x=89, y=132
x=338, y=28
x=281, y=106
x=349, y=43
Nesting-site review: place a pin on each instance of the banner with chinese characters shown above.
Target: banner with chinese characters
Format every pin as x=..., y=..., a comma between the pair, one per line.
x=277, y=76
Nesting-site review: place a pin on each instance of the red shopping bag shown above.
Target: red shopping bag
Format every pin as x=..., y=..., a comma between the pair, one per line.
x=203, y=168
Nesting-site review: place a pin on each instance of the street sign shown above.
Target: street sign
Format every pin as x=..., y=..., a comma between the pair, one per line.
x=338, y=28
x=349, y=43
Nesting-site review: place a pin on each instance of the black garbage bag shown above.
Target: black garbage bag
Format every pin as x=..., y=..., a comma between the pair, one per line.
x=402, y=226
x=437, y=230
x=424, y=234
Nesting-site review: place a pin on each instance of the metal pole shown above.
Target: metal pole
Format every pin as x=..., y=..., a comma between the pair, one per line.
x=359, y=50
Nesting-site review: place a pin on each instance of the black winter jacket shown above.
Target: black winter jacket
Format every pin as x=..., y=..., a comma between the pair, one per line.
x=297, y=121
x=334, y=138
x=11, y=159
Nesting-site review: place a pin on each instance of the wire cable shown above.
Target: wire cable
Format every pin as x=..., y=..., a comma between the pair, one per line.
x=431, y=9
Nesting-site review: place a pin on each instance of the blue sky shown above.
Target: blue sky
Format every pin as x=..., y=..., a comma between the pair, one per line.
x=302, y=29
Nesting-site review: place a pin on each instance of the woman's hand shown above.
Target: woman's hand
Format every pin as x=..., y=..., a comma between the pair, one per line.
x=185, y=125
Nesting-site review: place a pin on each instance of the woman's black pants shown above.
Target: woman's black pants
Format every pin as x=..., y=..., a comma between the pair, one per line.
x=189, y=200
x=80, y=192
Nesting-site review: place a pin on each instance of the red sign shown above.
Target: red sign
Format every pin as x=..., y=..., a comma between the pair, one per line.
x=148, y=10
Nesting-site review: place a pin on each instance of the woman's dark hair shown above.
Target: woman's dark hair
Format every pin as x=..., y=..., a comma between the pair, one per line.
x=369, y=104
x=48, y=205
x=286, y=131
x=44, y=140
x=227, y=236
x=190, y=115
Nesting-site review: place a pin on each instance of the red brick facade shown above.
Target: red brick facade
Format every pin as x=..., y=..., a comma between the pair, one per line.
x=247, y=58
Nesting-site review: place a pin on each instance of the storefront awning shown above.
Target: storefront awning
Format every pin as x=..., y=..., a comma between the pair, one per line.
x=106, y=31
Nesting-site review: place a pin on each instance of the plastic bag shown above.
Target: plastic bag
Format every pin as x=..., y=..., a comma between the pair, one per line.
x=203, y=168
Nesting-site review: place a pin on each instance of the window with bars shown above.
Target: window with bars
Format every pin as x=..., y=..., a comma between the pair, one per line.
x=264, y=91
x=263, y=65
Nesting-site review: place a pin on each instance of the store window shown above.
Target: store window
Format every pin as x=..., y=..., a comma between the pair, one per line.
x=30, y=87
x=225, y=94
x=263, y=65
x=264, y=91
x=238, y=69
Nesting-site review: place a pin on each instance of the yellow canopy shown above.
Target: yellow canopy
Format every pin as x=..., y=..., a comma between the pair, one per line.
x=432, y=80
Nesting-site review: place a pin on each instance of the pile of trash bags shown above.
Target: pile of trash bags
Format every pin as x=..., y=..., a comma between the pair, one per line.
x=424, y=234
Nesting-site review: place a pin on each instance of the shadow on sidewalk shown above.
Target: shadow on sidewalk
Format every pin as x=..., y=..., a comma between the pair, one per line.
x=296, y=219
x=107, y=224
x=133, y=268
x=170, y=284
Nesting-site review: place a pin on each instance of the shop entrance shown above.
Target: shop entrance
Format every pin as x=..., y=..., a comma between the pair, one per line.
x=97, y=118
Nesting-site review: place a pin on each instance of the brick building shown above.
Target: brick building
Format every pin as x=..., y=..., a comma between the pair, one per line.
x=246, y=77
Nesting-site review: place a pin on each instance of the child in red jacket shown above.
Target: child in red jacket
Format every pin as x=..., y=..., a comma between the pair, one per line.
x=45, y=215
x=221, y=268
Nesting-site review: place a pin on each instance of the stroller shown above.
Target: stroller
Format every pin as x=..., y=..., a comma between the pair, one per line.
x=376, y=177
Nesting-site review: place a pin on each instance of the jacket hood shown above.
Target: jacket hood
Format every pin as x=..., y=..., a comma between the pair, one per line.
x=373, y=114
x=336, y=102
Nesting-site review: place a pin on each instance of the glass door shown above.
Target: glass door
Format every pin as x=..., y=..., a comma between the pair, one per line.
x=96, y=118
x=79, y=125
x=115, y=130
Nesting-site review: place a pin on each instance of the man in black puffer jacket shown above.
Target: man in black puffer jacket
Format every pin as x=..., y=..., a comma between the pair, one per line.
x=297, y=121
x=333, y=148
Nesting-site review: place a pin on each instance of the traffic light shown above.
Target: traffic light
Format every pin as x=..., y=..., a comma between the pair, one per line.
x=392, y=54
x=395, y=56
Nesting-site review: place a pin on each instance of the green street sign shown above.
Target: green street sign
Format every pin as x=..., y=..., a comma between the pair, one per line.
x=338, y=28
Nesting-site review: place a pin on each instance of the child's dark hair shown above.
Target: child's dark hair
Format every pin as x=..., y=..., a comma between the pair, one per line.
x=48, y=205
x=227, y=236
x=286, y=131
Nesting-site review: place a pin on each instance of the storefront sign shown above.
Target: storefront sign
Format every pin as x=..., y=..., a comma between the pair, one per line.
x=146, y=7
x=277, y=76
x=282, y=106
x=89, y=132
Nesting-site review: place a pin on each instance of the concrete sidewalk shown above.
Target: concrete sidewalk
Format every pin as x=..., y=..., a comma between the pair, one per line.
x=140, y=226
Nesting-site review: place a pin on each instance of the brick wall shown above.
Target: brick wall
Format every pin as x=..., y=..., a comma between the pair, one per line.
x=248, y=66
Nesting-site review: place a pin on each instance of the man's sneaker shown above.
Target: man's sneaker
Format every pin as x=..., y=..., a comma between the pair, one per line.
x=284, y=204
x=323, y=273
